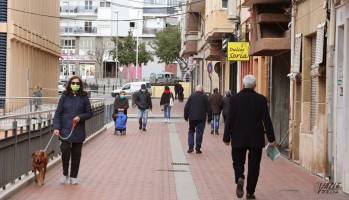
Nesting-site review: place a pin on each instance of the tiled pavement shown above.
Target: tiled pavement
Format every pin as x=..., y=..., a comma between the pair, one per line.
x=151, y=165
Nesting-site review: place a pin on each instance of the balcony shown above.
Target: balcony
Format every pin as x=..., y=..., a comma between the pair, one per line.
x=253, y=2
x=216, y=25
x=150, y=31
x=270, y=34
x=78, y=30
x=79, y=10
x=196, y=5
x=162, y=11
x=190, y=43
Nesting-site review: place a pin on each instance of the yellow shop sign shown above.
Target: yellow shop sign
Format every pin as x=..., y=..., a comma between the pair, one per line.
x=238, y=51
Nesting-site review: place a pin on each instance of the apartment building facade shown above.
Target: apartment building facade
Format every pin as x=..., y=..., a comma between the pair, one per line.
x=87, y=27
x=29, y=50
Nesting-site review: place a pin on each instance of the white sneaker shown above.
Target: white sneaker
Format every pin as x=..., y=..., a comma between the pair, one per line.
x=63, y=179
x=168, y=120
x=165, y=120
x=74, y=181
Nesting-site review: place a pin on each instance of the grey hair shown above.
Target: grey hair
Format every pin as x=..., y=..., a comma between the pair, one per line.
x=199, y=88
x=249, y=81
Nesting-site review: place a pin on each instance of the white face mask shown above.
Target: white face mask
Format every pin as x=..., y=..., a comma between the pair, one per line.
x=143, y=90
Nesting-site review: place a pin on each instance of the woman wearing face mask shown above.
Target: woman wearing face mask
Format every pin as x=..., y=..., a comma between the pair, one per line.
x=120, y=104
x=73, y=107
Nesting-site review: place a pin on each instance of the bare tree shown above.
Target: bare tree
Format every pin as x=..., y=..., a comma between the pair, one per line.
x=98, y=54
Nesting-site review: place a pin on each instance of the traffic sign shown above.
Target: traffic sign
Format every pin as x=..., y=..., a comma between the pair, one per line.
x=121, y=68
x=209, y=67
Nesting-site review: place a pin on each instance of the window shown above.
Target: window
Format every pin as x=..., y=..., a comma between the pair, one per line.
x=88, y=5
x=68, y=44
x=88, y=27
x=126, y=87
x=132, y=24
x=104, y=4
x=224, y=3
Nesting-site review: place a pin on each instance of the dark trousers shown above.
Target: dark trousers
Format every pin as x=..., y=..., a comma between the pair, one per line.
x=73, y=151
x=195, y=126
x=176, y=95
x=254, y=160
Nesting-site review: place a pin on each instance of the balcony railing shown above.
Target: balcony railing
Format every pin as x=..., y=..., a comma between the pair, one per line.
x=151, y=31
x=79, y=9
x=159, y=10
x=78, y=29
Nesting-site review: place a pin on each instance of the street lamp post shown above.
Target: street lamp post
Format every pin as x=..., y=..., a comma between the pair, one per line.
x=67, y=41
x=137, y=46
x=116, y=45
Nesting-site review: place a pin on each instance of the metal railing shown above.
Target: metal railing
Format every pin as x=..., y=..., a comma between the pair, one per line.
x=79, y=9
x=28, y=132
x=78, y=29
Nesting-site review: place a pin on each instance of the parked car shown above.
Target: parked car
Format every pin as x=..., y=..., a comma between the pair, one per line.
x=162, y=77
x=61, y=86
x=131, y=88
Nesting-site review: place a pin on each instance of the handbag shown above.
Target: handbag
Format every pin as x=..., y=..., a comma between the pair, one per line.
x=171, y=101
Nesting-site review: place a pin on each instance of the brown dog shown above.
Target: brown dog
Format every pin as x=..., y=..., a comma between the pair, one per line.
x=39, y=161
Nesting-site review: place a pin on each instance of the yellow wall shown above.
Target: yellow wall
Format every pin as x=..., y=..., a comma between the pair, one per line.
x=158, y=90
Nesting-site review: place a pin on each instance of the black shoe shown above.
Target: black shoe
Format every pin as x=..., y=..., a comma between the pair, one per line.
x=140, y=127
x=216, y=132
x=198, y=152
x=211, y=131
x=144, y=129
x=240, y=188
x=250, y=196
x=190, y=150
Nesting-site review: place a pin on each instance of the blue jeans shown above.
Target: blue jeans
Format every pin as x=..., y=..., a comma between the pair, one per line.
x=143, y=116
x=167, y=111
x=198, y=127
x=215, y=122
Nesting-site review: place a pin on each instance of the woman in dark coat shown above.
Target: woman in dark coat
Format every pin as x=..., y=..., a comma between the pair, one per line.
x=165, y=102
x=120, y=104
x=73, y=108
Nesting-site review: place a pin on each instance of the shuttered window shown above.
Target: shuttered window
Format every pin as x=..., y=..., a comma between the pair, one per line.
x=297, y=53
x=3, y=40
x=3, y=10
x=313, y=84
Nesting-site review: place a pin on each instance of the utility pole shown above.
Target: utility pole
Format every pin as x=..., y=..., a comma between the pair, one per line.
x=137, y=46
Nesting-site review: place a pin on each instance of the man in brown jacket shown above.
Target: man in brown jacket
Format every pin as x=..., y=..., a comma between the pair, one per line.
x=215, y=99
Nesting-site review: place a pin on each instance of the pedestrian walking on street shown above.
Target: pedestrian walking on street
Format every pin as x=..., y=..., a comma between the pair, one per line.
x=143, y=101
x=165, y=103
x=120, y=106
x=247, y=121
x=197, y=110
x=224, y=104
x=176, y=87
x=37, y=101
x=73, y=108
x=215, y=99
x=180, y=93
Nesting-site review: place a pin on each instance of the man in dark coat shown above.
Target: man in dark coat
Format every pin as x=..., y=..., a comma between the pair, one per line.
x=143, y=101
x=247, y=121
x=197, y=109
x=215, y=99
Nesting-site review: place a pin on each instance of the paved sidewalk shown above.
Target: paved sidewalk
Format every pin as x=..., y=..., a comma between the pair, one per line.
x=154, y=165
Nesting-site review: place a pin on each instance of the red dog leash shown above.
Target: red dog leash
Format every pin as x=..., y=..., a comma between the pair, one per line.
x=72, y=129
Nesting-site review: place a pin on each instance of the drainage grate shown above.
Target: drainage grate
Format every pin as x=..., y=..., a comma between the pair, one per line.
x=180, y=163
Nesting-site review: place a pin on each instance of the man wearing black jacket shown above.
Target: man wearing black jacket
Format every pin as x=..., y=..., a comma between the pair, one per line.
x=247, y=121
x=143, y=101
x=197, y=110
